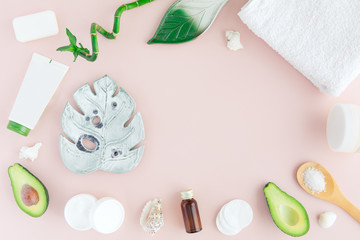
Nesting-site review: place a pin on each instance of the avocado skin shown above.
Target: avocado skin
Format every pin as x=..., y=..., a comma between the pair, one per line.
x=19, y=200
x=307, y=224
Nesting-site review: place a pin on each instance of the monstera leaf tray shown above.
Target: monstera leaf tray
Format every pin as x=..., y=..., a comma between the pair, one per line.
x=102, y=137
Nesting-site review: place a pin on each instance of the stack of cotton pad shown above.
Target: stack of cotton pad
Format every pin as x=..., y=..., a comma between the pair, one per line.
x=233, y=217
x=83, y=212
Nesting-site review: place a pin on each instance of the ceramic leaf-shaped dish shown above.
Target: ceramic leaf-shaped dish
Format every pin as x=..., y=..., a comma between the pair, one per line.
x=187, y=19
x=102, y=137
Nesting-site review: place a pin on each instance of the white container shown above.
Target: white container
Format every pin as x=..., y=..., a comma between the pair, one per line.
x=107, y=215
x=77, y=211
x=35, y=26
x=42, y=78
x=343, y=128
x=83, y=212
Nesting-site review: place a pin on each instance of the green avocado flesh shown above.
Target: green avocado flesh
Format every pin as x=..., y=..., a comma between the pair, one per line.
x=288, y=214
x=29, y=192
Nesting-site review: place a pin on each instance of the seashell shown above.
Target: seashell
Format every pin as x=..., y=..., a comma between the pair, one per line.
x=327, y=219
x=151, y=219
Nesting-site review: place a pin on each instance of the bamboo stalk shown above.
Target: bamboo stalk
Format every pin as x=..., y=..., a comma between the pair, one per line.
x=96, y=28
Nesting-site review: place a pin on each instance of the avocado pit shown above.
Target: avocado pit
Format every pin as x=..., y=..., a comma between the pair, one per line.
x=29, y=195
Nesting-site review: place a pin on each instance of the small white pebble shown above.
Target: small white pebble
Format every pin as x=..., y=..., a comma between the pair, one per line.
x=233, y=40
x=327, y=219
x=30, y=152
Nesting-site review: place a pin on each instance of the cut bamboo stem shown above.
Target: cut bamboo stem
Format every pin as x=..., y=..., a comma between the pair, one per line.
x=96, y=28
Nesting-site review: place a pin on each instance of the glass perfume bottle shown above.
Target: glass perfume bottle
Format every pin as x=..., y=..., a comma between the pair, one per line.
x=190, y=212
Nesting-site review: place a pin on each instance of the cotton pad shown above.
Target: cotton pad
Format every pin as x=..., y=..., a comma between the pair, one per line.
x=77, y=211
x=35, y=26
x=238, y=214
x=107, y=215
x=224, y=228
x=234, y=216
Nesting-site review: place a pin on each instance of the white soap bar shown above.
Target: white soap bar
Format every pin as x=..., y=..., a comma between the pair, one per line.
x=35, y=26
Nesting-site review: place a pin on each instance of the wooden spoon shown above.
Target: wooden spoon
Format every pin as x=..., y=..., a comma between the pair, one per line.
x=332, y=193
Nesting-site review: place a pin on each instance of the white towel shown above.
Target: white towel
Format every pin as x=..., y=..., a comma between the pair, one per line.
x=320, y=38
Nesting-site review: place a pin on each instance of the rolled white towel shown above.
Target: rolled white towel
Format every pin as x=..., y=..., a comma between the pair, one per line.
x=321, y=39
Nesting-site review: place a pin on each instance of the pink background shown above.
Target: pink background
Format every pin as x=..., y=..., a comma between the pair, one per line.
x=221, y=122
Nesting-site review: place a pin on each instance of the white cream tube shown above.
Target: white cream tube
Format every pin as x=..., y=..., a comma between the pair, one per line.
x=42, y=78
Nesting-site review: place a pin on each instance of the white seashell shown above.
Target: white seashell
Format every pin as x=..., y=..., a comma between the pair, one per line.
x=30, y=152
x=151, y=219
x=233, y=40
x=327, y=219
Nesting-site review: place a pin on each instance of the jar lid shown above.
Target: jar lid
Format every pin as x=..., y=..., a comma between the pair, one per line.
x=107, y=215
x=343, y=128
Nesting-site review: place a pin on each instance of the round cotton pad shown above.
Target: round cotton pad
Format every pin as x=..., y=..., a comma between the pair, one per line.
x=107, y=215
x=77, y=211
x=238, y=214
x=223, y=228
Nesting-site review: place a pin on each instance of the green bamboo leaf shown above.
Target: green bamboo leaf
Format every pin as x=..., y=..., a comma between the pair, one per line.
x=84, y=49
x=96, y=28
x=76, y=54
x=187, y=19
x=71, y=36
x=68, y=48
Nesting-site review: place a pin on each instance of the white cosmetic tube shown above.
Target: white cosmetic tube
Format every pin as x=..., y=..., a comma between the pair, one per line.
x=42, y=78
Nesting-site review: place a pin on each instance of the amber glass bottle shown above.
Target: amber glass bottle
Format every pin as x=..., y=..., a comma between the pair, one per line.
x=190, y=212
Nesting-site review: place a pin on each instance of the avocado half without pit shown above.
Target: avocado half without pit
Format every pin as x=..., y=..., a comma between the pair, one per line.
x=288, y=214
x=30, y=193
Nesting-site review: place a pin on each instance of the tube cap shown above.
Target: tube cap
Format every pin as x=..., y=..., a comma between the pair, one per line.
x=187, y=194
x=18, y=128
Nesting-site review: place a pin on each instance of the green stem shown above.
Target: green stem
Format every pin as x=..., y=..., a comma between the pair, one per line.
x=95, y=28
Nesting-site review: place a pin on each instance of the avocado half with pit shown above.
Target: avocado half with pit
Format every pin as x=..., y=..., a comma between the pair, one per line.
x=288, y=214
x=30, y=193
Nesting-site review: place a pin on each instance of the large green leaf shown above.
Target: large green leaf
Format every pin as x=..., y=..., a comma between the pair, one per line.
x=187, y=19
x=105, y=122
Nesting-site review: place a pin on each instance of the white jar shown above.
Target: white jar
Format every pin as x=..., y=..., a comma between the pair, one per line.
x=343, y=128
